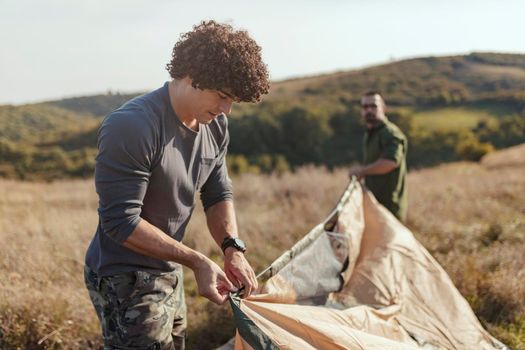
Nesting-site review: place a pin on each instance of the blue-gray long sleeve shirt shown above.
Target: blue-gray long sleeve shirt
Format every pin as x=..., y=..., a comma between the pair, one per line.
x=150, y=165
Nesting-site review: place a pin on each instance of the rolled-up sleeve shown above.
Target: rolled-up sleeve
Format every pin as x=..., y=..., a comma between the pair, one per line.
x=394, y=147
x=126, y=149
x=218, y=187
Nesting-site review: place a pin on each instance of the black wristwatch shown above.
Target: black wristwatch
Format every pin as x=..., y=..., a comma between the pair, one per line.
x=236, y=243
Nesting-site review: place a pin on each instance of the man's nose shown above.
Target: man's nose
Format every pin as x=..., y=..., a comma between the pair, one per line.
x=226, y=106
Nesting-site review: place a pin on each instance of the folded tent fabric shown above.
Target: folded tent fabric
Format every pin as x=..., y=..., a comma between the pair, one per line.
x=359, y=280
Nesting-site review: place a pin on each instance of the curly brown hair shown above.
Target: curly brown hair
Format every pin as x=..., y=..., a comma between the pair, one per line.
x=217, y=57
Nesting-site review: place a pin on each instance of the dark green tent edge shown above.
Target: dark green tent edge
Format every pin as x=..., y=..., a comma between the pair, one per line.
x=252, y=334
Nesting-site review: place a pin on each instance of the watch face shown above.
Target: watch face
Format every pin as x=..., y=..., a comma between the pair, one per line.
x=233, y=242
x=240, y=243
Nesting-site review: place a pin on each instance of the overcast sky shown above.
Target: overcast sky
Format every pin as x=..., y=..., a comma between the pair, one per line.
x=59, y=48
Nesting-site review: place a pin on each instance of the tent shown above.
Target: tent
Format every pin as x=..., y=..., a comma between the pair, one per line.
x=359, y=280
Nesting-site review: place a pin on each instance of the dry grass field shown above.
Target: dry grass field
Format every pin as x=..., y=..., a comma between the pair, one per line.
x=471, y=217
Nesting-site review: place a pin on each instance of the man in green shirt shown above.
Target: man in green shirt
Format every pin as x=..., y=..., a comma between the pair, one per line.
x=385, y=150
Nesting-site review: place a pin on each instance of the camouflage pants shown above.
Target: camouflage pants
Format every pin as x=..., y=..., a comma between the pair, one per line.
x=139, y=310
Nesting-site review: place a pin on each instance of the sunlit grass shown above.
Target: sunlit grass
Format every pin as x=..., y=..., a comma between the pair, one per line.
x=470, y=216
x=452, y=118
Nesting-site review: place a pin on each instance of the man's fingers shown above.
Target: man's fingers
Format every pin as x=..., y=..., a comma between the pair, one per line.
x=219, y=293
x=216, y=297
x=234, y=277
x=240, y=273
x=246, y=281
x=231, y=277
x=254, y=281
x=225, y=282
x=213, y=283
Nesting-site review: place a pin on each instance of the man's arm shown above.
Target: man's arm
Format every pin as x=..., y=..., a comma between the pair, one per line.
x=392, y=153
x=379, y=167
x=222, y=223
x=127, y=150
x=217, y=200
x=149, y=240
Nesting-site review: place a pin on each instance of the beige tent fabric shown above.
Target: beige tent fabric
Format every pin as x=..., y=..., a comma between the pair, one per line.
x=293, y=326
x=240, y=344
x=368, y=284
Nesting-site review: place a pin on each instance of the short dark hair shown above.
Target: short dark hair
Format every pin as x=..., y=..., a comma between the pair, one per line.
x=217, y=57
x=373, y=93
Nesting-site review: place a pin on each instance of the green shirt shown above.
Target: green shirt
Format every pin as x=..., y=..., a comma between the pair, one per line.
x=385, y=140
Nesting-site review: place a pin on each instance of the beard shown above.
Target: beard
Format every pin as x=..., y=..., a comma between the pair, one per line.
x=371, y=118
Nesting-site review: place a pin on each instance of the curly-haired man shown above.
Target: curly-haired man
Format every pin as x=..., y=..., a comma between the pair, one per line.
x=155, y=153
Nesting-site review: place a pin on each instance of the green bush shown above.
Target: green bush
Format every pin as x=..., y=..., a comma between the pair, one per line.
x=470, y=148
x=238, y=164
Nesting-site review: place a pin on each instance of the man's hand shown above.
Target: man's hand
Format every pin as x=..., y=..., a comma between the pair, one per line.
x=239, y=271
x=357, y=172
x=212, y=282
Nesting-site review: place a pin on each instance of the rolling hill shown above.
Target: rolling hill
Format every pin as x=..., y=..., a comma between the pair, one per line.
x=478, y=98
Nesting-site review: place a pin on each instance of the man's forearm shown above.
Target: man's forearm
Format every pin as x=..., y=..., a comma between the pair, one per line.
x=379, y=167
x=212, y=282
x=149, y=240
x=221, y=221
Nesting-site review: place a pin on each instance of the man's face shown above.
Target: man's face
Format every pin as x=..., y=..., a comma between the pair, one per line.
x=372, y=109
x=208, y=104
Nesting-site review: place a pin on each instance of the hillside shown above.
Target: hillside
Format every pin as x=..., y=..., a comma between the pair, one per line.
x=98, y=105
x=468, y=215
x=467, y=104
x=43, y=122
x=415, y=82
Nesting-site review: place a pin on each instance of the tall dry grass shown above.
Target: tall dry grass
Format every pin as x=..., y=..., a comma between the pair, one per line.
x=44, y=231
x=470, y=216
